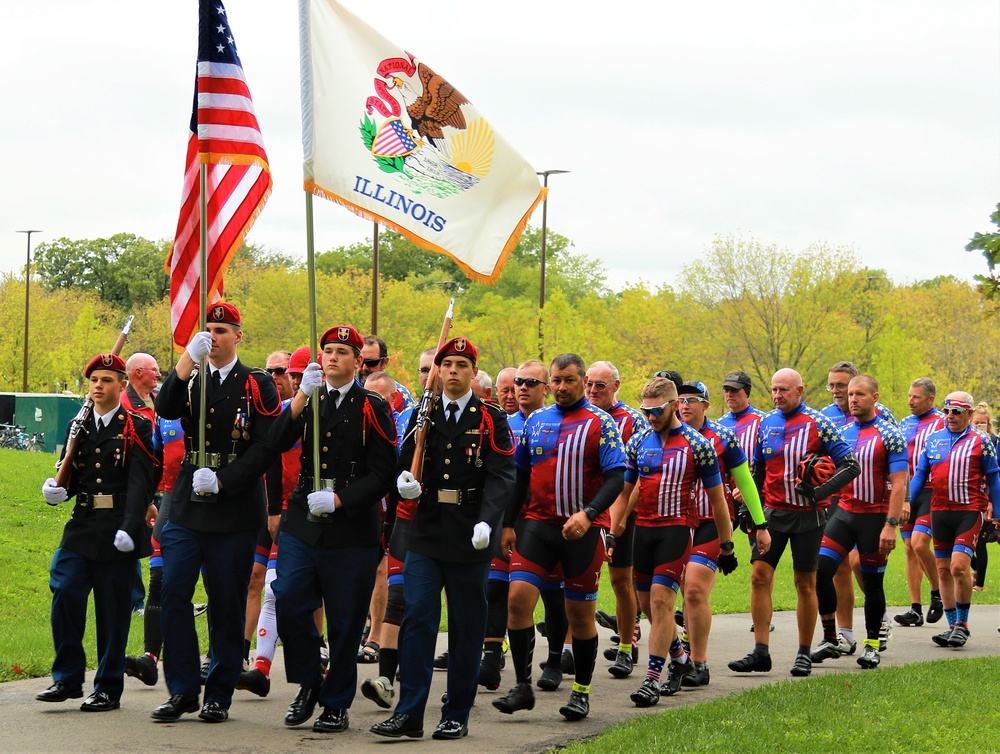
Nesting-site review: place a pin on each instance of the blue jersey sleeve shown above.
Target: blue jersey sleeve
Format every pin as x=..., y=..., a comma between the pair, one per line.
x=631, y=455
x=895, y=447
x=920, y=475
x=732, y=454
x=832, y=441
x=522, y=448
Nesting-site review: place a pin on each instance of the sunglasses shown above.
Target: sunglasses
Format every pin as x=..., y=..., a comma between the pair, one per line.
x=529, y=381
x=277, y=371
x=691, y=401
x=656, y=412
x=953, y=411
x=597, y=385
x=372, y=363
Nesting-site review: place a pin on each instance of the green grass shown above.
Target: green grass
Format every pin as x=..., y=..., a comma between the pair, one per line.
x=857, y=712
x=29, y=536
x=31, y=532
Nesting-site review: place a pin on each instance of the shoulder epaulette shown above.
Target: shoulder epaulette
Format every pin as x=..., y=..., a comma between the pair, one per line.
x=373, y=394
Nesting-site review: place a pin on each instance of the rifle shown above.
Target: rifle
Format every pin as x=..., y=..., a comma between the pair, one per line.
x=81, y=421
x=427, y=401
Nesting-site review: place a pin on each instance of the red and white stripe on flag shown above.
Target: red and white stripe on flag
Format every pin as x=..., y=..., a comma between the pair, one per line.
x=225, y=136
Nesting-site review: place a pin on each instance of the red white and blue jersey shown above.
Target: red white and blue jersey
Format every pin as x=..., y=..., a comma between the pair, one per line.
x=516, y=423
x=168, y=436
x=842, y=419
x=667, y=471
x=962, y=469
x=783, y=440
x=744, y=425
x=915, y=431
x=568, y=450
x=291, y=464
x=881, y=450
x=730, y=454
x=627, y=419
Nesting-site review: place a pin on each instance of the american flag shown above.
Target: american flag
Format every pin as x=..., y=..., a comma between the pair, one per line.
x=225, y=137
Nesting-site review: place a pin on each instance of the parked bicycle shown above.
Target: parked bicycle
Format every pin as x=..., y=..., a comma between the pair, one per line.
x=15, y=437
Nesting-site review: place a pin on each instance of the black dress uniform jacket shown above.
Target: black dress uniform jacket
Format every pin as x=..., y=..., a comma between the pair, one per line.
x=240, y=414
x=357, y=450
x=117, y=461
x=477, y=459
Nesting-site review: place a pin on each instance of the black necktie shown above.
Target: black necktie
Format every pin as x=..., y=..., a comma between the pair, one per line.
x=333, y=396
x=452, y=414
x=216, y=380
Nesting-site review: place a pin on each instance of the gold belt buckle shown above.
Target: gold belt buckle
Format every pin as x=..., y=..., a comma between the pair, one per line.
x=448, y=496
x=100, y=502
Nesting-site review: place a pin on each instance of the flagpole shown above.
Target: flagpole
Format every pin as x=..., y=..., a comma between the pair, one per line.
x=203, y=307
x=313, y=337
x=375, y=281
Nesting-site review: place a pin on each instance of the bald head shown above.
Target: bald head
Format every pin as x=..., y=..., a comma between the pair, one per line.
x=786, y=390
x=143, y=373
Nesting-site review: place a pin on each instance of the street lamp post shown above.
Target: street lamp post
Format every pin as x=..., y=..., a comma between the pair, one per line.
x=27, y=299
x=541, y=288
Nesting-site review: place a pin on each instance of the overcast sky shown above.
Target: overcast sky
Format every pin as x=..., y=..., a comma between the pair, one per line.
x=872, y=124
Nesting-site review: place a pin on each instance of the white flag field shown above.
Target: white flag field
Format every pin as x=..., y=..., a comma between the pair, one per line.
x=391, y=139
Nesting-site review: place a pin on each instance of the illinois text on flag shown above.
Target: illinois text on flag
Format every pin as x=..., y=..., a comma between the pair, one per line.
x=226, y=138
x=389, y=138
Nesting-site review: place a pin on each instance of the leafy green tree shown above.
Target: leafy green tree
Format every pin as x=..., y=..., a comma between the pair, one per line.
x=989, y=245
x=125, y=270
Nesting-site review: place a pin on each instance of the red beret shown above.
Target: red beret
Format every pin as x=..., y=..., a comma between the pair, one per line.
x=299, y=360
x=223, y=313
x=457, y=347
x=108, y=361
x=343, y=334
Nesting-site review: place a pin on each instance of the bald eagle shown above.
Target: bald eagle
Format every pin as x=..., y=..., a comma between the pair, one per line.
x=438, y=105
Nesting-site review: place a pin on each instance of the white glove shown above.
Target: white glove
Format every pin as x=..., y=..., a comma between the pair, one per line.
x=200, y=346
x=321, y=502
x=204, y=480
x=123, y=542
x=312, y=378
x=481, y=535
x=53, y=495
x=408, y=486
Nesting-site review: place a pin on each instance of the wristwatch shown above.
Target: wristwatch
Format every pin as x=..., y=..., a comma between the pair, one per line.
x=727, y=547
x=892, y=521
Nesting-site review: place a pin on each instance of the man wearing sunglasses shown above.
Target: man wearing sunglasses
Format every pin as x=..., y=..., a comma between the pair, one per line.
x=865, y=520
x=603, y=382
x=570, y=469
x=960, y=464
x=796, y=513
x=668, y=458
x=699, y=577
x=839, y=412
x=923, y=421
x=375, y=358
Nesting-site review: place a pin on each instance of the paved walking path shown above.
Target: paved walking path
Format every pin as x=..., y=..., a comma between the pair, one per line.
x=256, y=725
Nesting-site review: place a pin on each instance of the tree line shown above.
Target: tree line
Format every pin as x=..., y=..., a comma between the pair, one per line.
x=743, y=304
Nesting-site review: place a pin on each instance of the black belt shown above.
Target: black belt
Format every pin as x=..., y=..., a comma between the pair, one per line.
x=456, y=497
x=213, y=460
x=106, y=501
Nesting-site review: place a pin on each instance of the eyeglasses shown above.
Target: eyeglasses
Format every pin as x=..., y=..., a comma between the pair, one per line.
x=835, y=386
x=529, y=381
x=598, y=385
x=424, y=370
x=691, y=400
x=656, y=412
x=372, y=363
x=953, y=411
x=277, y=371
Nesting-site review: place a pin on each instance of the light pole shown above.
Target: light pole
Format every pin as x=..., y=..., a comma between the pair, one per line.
x=541, y=288
x=27, y=299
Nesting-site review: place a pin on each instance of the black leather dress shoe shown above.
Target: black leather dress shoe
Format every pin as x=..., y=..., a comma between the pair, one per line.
x=302, y=706
x=60, y=691
x=331, y=721
x=175, y=706
x=449, y=730
x=99, y=701
x=213, y=712
x=398, y=726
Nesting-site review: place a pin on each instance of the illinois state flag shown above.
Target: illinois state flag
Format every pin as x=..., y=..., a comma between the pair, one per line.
x=391, y=139
x=224, y=136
